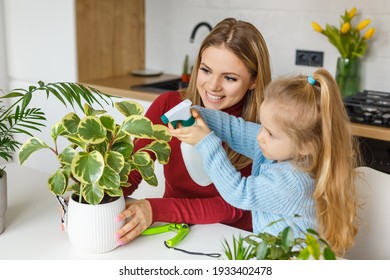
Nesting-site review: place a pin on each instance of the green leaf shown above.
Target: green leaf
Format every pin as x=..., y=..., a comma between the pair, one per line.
x=57, y=183
x=67, y=155
x=160, y=132
x=129, y=108
x=30, y=146
x=91, y=130
x=125, y=148
x=88, y=167
x=108, y=122
x=287, y=237
x=125, y=173
x=141, y=158
x=57, y=130
x=328, y=254
x=71, y=122
x=138, y=126
x=262, y=251
x=92, y=193
x=162, y=150
x=110, y=179
x=115, y=160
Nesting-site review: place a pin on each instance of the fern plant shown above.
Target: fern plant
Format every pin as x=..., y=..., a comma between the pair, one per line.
x=20, y=118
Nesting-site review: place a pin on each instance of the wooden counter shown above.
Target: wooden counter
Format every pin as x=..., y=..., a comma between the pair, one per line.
x=120, y=86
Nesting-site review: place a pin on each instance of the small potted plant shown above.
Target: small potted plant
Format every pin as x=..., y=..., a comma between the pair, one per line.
x=95, y=165
x=21, y=118
x=284, y=246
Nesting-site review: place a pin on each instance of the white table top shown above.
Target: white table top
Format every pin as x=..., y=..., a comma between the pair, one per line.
x=33, y=228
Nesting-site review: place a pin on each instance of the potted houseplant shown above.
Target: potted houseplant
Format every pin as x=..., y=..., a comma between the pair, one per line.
x=94, y=167
x=21, y=118
x=284, y=246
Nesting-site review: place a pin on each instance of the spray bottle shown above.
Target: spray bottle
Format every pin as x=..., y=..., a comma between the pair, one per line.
x=192, y=159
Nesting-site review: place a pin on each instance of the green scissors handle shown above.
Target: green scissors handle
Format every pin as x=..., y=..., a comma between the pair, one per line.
x=181, y=229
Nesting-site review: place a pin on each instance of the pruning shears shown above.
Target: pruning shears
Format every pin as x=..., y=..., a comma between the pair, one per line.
x=181, y=229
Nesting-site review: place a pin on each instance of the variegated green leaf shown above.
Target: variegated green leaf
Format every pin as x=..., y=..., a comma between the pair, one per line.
x=162, y=151
x=141, y=158
x=110, y=179
x=108, y=122
x=89, y=111
x=146, y=171
x=73, y=138
x=113, y=193
x=129, y=108
x=57, y=130
x=66, y=156
x=121, y=135
x=125, y=148
x=92, y=193
x=57, y=183
x=88, y=167
x=124, y=174
x=91, y=130
x=152, y=180
x=30, y=146
x=71, y=122
x=138, y=126
x=161, y=132
x=115, y=160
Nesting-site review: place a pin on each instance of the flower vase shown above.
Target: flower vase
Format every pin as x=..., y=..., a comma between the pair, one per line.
x=348, y=76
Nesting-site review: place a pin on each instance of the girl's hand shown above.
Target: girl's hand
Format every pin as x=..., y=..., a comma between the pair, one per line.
x=139, y=215
x=192, y=134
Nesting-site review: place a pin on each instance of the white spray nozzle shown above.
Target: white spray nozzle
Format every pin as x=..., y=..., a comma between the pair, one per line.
x=181, y=112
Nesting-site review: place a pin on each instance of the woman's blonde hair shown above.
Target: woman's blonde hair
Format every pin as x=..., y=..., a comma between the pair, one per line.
x=247, y=43
x=314, y=116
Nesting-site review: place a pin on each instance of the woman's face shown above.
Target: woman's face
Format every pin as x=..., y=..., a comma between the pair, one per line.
x=223, y=79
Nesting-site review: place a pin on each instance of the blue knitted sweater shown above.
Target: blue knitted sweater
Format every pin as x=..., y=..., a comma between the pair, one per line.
x=274, y=191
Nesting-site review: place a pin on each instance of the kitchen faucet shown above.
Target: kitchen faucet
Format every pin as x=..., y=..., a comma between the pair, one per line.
x=203, y=23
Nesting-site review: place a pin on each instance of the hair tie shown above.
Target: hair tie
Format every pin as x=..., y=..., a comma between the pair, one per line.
x=311, y=80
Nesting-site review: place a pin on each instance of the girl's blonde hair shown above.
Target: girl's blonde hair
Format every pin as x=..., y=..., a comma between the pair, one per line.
x=314, y=116
x=247, y=43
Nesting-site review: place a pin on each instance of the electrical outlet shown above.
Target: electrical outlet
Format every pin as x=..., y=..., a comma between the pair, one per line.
x=309, y=58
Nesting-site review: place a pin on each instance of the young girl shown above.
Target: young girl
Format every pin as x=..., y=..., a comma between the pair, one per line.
x=303, y=159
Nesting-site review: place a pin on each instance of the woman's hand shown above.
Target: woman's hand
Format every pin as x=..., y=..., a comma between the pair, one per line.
x=139, y=215
x=192, y=134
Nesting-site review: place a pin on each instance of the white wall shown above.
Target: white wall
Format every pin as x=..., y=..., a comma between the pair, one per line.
x=285, y=25
x=40, y=40
x=3, y=61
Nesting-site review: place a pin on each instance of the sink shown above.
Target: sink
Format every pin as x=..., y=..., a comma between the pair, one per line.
x=160, y=87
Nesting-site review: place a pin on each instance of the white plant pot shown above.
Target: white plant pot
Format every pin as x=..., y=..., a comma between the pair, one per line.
x=3, y=200
x=92, y=228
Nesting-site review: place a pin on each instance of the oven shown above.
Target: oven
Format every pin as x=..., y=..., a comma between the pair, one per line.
x=371, y=108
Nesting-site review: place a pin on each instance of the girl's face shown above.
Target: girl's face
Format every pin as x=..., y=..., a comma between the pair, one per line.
x=274, y=142
x=223, y=79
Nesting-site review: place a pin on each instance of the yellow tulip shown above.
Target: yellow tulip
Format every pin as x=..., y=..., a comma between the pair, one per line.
x=345, y=28
x=316, y=27
x=370, y=32
x=352, y=13
x=363, y=24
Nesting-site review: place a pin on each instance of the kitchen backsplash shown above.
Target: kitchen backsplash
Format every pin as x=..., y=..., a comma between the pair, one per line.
x=285, y=25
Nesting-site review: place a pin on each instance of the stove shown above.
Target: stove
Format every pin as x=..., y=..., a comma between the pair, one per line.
x=371, y=108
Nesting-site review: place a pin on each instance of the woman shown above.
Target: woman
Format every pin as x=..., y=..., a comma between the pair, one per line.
x=230, y=74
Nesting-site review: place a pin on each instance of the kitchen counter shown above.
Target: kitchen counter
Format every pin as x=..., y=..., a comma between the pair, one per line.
x=120, y=86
